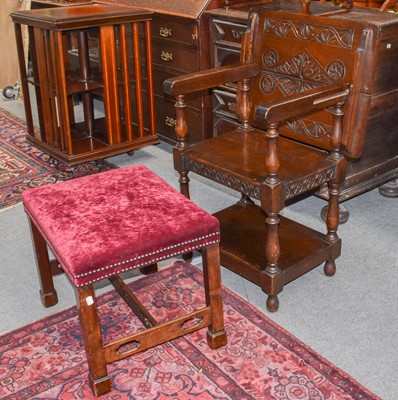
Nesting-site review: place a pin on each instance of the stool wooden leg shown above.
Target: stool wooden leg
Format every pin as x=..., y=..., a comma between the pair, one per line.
x=216, y=335
x=99, y=380
x=149, y=269
x=48, y=293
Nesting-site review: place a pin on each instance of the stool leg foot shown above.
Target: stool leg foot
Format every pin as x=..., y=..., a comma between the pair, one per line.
x=49, y=299
x=100, y=386
x=188, y=256
x=99, y=380
x=216, y=335
x=149, y=269
x=48, y=294
x=216, y=340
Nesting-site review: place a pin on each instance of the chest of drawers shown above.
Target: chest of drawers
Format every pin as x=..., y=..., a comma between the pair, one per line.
x=176, y=50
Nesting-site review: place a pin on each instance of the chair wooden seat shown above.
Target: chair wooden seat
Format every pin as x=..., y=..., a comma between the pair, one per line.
x=102, y=225
x=246, y=159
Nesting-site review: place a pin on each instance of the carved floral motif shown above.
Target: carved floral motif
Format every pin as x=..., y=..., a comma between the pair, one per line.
x=309, y=128
x=331, y=36
x=225, y=179
x=295, y=188
x=253, y=190
x=271, y=58
x=297, y=74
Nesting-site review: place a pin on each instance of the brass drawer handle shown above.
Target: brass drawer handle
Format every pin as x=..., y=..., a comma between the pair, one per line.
x=237, y=34
x=165, y=32
x=166, y=56
x=170, y=122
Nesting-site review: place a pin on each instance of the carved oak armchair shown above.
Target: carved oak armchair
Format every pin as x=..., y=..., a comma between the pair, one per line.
x=293, y=84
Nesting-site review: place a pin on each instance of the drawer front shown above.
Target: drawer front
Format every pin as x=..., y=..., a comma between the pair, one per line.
x=225, y=56
x=193, y=100
x=226, y=38
x=173, y=56
x=224, y=103
x=227, y=31
x=166, y=117
x=175, y=31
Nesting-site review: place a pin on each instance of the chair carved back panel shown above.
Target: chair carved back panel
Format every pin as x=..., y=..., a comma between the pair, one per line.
x=298, y=53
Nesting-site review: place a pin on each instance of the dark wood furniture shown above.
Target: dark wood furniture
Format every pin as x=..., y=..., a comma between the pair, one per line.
x=180, y=45
x=36, y=4
x=194, y=35
x=389, y=5
x=377, y=117
x=293, y=78
x=141, y=205
x=120, y=79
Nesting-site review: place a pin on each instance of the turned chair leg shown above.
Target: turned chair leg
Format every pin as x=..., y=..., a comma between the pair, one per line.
x=272, y=256
x=272, y=303
x=48, y=294
x=332, y=224
x=344, y=214
x=216, y=335
x=100, y=382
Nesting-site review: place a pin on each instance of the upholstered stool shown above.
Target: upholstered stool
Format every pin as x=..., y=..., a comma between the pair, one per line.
x=101, y=225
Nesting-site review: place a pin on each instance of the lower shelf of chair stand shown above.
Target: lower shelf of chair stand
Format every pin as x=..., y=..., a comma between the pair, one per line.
x=243, y=234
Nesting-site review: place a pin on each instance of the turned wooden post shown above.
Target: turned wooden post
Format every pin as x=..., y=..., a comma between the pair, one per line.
x=305, y=6
x=273, y=204
x=333, y=214
x=181, y=130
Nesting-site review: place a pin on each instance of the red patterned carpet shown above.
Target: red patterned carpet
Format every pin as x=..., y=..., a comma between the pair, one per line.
x=45, y=360
x=23, y=166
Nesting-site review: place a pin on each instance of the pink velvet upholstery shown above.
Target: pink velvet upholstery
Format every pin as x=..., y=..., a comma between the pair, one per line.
x=104, y=224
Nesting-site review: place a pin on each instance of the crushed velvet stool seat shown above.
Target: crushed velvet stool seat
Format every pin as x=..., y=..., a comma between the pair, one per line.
x=102, y=225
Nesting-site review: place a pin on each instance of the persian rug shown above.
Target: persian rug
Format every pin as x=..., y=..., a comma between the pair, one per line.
x=23, y=166
x=46, y=360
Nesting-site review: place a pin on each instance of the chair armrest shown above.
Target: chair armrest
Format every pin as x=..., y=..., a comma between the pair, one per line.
x=300, y=104
x=209, y=78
